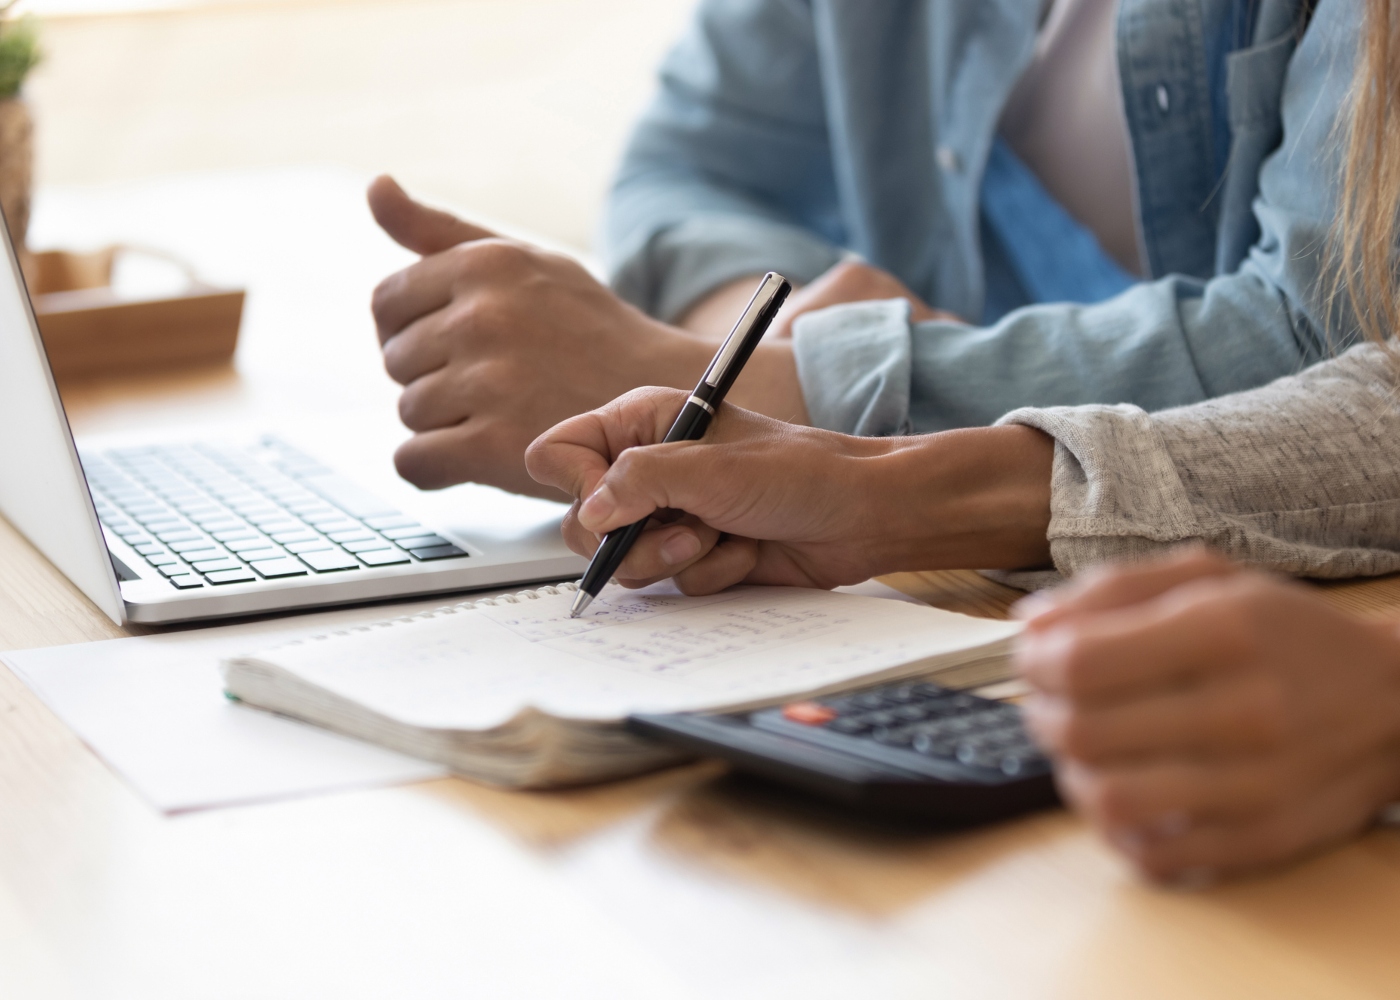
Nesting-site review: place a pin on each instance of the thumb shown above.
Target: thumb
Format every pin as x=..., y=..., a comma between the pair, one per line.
x=414, y=225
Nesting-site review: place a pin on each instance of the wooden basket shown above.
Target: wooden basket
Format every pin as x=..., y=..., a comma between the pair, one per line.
x=90, y=331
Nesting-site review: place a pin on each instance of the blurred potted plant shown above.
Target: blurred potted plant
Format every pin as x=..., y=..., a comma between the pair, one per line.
x=19, y=53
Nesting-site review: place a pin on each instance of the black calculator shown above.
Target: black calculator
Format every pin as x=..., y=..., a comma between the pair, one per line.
x=911, y=748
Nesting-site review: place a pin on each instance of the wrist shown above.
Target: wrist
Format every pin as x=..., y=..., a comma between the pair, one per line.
x=969, y=499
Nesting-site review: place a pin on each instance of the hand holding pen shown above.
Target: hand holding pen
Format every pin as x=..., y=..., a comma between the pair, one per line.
x=693, y=420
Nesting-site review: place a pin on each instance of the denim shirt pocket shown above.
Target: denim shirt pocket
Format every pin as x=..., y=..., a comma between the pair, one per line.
x=1254, y=79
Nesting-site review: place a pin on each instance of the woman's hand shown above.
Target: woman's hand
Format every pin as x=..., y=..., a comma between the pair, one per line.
x=752, y=478
x=1209, y=720
x=773, y=503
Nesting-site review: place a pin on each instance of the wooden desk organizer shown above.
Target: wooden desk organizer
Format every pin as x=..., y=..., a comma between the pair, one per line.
x=90, y=331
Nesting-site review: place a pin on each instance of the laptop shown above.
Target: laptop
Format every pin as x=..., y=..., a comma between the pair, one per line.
x=161, y=532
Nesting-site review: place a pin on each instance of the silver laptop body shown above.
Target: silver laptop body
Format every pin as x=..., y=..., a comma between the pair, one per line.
x=160, y=533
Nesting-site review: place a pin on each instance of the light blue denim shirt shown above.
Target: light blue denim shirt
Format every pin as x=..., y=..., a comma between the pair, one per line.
x=789, y=132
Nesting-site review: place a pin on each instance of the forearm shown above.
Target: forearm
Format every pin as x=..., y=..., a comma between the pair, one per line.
x=968, y=498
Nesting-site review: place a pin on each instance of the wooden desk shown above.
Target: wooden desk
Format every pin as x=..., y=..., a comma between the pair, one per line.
x=684, y=883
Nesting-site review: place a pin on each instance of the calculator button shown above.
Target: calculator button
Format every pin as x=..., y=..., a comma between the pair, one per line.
x=893, y=737
x=808, y=713
x=850, y=725
x=933, y=746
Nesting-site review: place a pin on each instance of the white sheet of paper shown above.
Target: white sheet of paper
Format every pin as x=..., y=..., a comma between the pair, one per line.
x=152, y=707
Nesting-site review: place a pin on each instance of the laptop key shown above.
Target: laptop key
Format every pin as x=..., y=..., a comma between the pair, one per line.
x=186, y=582
x=163, y=559
x=365, y=545
x=292, y=537
x=232, y=576
x=194, y=545
x=274, y=568
x=163, y=525
x=390, y=521
x=221, y=523
x=319, y=545
x=353, y=535
x=176, y=568
x=404, y=531
x=216, y=566
x=275, y=528
x=249, y=544
x=149, y=548
x=260, y=555
x=437, y=552
x=180, y=537
x=384, y=557
x=236, y=534
x=421, y=542
x=329, y=561
x=341, y=524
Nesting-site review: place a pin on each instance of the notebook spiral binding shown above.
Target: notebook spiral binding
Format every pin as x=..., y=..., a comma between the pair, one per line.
x=552, y=590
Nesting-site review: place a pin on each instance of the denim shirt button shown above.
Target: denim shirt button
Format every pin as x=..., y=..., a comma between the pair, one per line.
x=1164, y=98
x=948, y=160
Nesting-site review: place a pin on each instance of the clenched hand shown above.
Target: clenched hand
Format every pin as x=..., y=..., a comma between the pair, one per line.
x=494, y=341
x=1209, y=720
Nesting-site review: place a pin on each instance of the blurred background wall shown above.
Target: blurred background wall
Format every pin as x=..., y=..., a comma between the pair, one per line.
x=512, y=108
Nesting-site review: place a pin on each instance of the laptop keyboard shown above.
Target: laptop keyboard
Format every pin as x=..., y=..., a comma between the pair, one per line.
x=209, y=516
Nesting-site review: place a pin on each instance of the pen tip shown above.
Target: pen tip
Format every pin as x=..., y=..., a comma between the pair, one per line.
x=581, y=601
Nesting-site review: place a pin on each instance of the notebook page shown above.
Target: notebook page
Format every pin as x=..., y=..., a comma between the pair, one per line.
x=632, y=651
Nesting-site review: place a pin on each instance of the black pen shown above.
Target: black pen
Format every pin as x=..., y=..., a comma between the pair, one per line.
x=692, y=422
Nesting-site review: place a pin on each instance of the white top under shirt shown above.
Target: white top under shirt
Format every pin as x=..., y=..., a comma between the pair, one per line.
x=1065, y=121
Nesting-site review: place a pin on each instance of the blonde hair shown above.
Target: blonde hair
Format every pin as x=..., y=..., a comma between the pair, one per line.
x=1368, y=221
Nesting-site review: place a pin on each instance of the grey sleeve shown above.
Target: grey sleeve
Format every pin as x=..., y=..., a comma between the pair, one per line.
x=1301, y=475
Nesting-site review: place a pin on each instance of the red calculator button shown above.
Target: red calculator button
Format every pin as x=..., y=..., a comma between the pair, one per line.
x=809, y=713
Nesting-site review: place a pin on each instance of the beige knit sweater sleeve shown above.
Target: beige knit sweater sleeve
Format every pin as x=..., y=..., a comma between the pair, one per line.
x=1301, y=475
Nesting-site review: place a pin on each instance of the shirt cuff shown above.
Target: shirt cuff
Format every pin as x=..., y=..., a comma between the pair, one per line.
x=683, y=263
x=1115, y=493
x=854, y=362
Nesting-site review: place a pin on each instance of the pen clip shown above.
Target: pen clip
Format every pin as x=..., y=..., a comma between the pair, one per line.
x=760, y=302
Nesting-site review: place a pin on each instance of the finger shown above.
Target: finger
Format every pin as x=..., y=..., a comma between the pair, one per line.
x=573, y=455
x=578, y=538
x=424, y=346
x=1205, y=626
x=1233, y=714
x=693, y=476
x=417, y=292
x=1326, y=813
x=662, y=552
x=1120, y=586
x=728, y=563
x=478, y=450
x=1157, y=797
x=449, y=395
x=414, y=225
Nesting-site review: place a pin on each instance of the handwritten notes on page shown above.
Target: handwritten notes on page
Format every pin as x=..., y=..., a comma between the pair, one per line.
x=652, y=651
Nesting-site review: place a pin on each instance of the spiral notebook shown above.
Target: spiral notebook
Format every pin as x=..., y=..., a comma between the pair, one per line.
x=513, y=691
